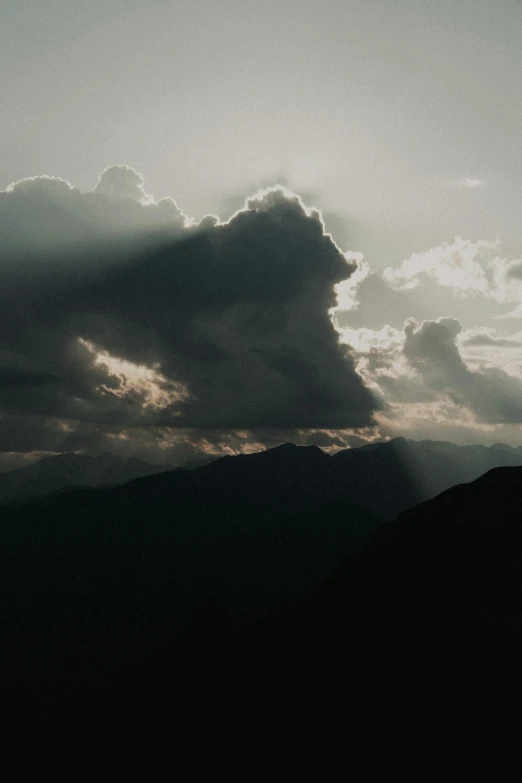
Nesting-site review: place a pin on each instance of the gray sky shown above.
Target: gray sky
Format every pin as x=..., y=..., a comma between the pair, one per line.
x=400, y=120
x=377, y=108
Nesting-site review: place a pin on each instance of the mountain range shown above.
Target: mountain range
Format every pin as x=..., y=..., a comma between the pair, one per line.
x=298, y=627
x=63, y=471
x=407, y=659
x=89, y=568
x=409, y=471
x=386, y=478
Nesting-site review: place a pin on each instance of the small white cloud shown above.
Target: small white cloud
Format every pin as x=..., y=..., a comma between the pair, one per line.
x=472, y=182
x=469, y=269
x=462, y=266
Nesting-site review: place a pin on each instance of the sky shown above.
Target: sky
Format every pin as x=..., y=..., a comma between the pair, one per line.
x=377, y=292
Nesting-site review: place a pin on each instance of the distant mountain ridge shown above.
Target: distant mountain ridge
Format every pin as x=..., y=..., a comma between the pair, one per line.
x=385, y=478
x=63, y=471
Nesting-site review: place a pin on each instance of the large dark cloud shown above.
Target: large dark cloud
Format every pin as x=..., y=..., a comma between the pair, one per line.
x=229, y=322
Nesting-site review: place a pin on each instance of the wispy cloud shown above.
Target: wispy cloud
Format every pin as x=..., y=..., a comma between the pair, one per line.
x=472, y=182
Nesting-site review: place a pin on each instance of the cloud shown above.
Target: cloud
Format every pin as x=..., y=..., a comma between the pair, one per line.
x=469, y=269
x=127, y=326
x=211, y=327
x=347, y=291
x=472, y=182
x=489, y=337
x=435, y=379
x=385, y=368
x=45, y=215
x=492, y=394
x=462, y=266
x=122, y=182
x=514, y=270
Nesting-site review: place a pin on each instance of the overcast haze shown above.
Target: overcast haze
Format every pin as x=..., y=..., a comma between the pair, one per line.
x=400, y=121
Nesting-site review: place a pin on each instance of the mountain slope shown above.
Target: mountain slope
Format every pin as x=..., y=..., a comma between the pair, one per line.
x=420, y=630
x=387, y=478
x=245, y=531
x=114, y=566
x=408, y=659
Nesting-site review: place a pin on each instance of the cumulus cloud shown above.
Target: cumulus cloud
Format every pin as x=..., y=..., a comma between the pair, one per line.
x=492, y=394
x=348, y=291
x=436, y=379
x=468, y=269
x=45, y=215
x=213, y=327
x=385, y=368
x=238, y=314
x=463, y=266
x=122, y=182
x=127, y=326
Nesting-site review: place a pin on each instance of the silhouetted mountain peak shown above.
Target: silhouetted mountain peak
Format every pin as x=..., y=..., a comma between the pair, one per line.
x=287, y=455
x=292, y=452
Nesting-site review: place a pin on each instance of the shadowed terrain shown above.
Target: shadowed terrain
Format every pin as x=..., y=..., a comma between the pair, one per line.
x=407, y=658
x=414, y=640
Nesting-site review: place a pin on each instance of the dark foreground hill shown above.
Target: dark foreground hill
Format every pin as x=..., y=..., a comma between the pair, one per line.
x=95, y=579
x=405, y=664
x=87, y=570
x=245, y=531
x=92, y=578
